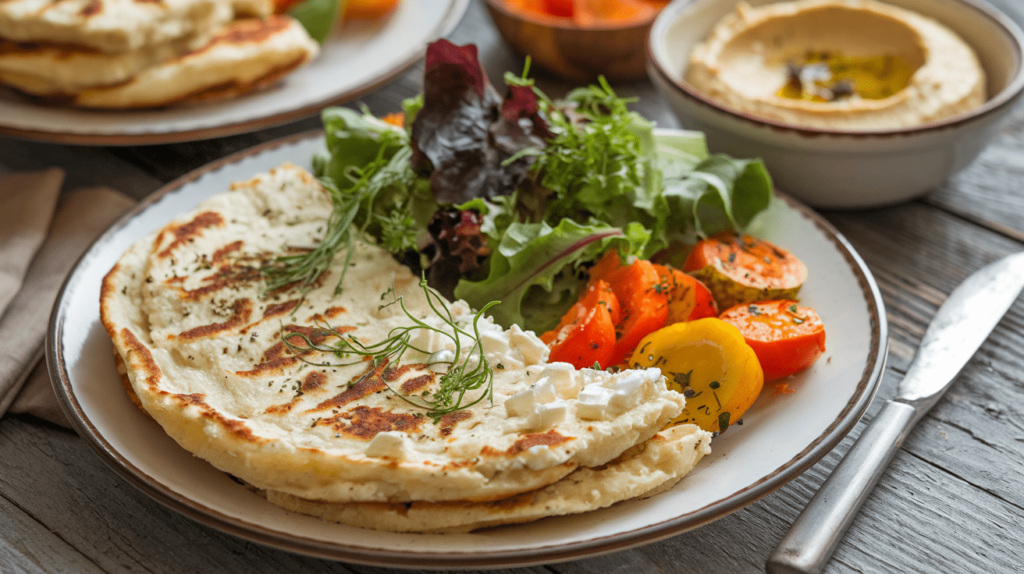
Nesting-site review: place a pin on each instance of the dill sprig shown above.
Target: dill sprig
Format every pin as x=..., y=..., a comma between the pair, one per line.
x=352, y=214
x=465, y=373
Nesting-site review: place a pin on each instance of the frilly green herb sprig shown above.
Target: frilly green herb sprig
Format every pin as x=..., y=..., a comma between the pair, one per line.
x=353, y=194
x=464, y=373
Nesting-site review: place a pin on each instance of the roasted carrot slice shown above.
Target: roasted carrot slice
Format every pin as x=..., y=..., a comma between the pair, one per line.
x=586, y=334
x=740, y=268
x=644, y=306
x=605, y=265
x=396, y=119
x=368, y=8
x=786, y=337
x=688, y=298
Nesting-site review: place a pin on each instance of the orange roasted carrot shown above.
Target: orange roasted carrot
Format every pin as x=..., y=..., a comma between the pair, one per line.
x=739, y=268
x=644, y=306
x=688, y=298
x=368, y=8
x=786, y=337
x=586, y=334
x=396, y=119
x=606, y=264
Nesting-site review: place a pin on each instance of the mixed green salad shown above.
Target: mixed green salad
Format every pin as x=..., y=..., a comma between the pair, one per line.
x=511, y=198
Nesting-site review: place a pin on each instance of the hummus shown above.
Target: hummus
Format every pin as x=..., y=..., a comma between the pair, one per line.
x=837, y=64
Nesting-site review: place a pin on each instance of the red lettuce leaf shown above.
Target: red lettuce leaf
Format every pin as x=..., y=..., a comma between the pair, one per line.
x=457, y=248
x=464, y=133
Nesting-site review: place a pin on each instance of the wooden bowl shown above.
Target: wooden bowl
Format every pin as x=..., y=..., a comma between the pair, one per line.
x=619, y=53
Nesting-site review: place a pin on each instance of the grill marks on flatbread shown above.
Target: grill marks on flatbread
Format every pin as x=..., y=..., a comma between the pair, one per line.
x=110, y=26
x=246, y=56
x=194, y=50
x=205, y=356
x=56, y=70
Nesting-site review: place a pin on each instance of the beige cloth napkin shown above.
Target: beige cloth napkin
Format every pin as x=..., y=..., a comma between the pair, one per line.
x=35, y=256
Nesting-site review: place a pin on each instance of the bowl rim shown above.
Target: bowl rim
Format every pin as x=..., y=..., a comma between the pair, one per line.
x=1004, y=98
x=553, y=21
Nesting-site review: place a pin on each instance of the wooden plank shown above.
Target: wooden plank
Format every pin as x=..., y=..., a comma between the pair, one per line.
x=85, y=167
x=922, y=519
x=28, y=547
x=962, y=462
x=359, y=569
x=918, y=255
x=989, y=191
x=63, y=485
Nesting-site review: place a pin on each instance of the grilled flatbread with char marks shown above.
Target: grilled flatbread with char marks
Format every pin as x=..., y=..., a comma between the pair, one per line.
x=640, y=472
x=111, y=26
x=52, y=70
x=56, y=71
x=244, y=56
x=205, y=356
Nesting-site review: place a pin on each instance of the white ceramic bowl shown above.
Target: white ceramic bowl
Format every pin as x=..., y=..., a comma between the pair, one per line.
x=846, y=169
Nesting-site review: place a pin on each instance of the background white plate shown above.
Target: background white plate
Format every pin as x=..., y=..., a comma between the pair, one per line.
x=780, y=437
x=359, y=57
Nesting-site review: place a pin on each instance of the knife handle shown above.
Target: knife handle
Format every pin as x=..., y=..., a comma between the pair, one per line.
x=816, y=532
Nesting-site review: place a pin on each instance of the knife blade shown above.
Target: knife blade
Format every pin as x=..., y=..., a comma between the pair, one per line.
x=963, y=322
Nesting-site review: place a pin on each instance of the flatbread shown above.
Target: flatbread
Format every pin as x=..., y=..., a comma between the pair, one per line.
x=111, y=26
x=641, y=472
x=253, y=8
x=50, y=70
x=59, y=70
x=205, y=356
x=245, y=56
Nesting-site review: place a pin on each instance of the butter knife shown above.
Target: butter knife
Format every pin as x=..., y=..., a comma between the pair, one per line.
x=961, y=325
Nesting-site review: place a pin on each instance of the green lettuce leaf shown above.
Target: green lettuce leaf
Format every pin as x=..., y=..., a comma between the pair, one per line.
x=719, y=193
x=354, y=140
x=529, y=259
x=367, y=161
x=317, y=16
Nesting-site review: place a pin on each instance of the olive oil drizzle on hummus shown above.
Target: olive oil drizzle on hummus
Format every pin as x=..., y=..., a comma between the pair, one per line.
x=831, y=76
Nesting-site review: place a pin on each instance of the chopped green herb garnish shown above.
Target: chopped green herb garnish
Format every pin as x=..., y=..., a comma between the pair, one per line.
x=723, y=421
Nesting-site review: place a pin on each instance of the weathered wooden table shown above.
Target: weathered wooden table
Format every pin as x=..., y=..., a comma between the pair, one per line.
x=952, y=500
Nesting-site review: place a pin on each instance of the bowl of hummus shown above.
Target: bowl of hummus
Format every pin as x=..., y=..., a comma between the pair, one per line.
x=851, y=103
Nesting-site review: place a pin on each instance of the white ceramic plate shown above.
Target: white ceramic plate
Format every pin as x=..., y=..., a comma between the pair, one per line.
x=780, y=437
x=359, y=57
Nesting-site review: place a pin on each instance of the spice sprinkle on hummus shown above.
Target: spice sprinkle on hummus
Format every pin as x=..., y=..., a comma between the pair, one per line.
x=837, y=64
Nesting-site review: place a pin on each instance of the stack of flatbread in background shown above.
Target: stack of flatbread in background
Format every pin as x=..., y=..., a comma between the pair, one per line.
x=248, y=381
x=122, y=54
